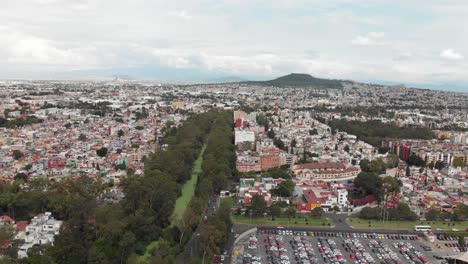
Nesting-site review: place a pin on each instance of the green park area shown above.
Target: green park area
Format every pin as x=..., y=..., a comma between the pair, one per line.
x=359, y=223
x=282, y=221
x=188, y=190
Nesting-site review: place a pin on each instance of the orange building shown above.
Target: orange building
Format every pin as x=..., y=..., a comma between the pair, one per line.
x=270, y=161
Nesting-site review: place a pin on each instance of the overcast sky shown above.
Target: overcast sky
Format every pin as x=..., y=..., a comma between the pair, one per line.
x=396, y=40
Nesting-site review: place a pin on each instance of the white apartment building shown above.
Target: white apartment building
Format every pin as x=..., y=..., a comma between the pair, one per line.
x=41, y=231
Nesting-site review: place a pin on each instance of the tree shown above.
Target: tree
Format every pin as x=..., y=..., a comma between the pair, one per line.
x=291, y=211
x=371, y=183
x=275, y=210
x=415, y=160
x=383, y=150
x=404, y=212
x=377, y=166
x=120, y=166
x=365, y=165
x=392, y=184
x=431, y=165
x=336, y=208
x=458, y=162
x=120, y=133
x=439, y=165
x=17, y=154
x=21, y=176
x=102, y=152
x=82, y=137
x=461, y=241
x=317, y=212
x=284, y=189
x=258, y=205
x=313, y=132
x=392, y=160
x=346, y=148
x=461, y=212
x=293, y=143
x=433, y=215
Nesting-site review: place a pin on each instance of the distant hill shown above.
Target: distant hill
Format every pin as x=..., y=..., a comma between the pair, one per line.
x=300, y=80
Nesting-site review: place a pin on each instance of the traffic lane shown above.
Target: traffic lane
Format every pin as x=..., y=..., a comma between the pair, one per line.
x=337, y=230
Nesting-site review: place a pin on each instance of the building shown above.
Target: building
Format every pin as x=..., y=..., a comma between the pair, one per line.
x=270, y=161
x=41, y=231
x=324, y=172
x=244, y=136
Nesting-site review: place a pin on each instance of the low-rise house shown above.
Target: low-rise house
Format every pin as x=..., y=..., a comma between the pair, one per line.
x=41, y=231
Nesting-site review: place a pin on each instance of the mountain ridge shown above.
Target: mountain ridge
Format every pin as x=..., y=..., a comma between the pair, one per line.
x=300, y=80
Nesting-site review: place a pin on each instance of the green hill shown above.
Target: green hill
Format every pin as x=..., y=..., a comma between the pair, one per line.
x=300, y=80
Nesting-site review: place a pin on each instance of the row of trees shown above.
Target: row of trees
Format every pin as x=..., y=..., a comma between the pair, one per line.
x=402, y=212
x=218, y=166
x=460, y=213
x=372, y=184
x=374, y=131
x=19, y=122
x=114, y=233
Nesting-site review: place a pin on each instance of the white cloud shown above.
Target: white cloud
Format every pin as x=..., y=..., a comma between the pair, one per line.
x=450, y=54
x=371, y=38
x=237, y=37
x=183, y=14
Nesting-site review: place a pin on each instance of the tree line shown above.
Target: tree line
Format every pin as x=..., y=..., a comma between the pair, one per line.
x=374, y=131
x=94, y=232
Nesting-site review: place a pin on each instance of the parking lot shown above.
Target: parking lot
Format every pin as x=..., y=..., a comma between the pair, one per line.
x=304, y=247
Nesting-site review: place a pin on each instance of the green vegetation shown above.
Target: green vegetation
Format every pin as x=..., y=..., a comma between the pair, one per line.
x=102, y=152
x=188, y=189
x=284, y=189
x=402, y=212
x=17, y=154
x=258, y=206
x=301, y=80
x=372, y=184
x=374, y=166
x=95, y=232
x=374, y=131
x=403, y=225
x=282, y=221
x=19, y=122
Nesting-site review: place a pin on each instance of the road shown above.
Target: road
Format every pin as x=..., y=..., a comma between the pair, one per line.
x=192, y=248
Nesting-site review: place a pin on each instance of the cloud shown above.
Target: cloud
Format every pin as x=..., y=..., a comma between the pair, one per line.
x=450, y=54
x=370, y=39
x=23, y=48
x=182, y=14
x=237, y=37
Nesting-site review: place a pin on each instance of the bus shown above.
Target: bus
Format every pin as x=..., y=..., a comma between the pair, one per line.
x=423, y=228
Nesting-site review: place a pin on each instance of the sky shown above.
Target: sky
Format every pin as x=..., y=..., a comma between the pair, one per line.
x=423, y=42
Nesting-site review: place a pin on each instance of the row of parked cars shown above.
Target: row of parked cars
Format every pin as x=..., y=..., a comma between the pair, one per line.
x=341, y=234
x=456, y=247
x=410, y=253
x=384, y=253
x=303, y=250
x=276, y=250
x=329, y=251
x=446, y=238
x=357, y=252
